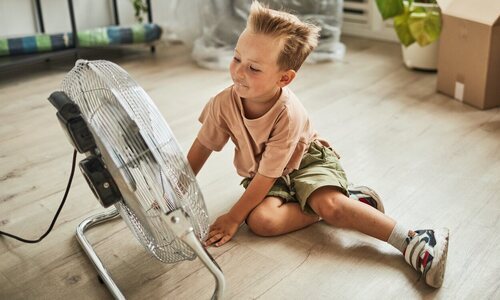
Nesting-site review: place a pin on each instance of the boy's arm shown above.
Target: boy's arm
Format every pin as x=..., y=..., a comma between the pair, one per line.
x=253, y=196
x=197, y=156
x=224, y=228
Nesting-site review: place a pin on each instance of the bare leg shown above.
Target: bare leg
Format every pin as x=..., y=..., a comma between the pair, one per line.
x=272, y=217
x=428, y=258
x=340, y=211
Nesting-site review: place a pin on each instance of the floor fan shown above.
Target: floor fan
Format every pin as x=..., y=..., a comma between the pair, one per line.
x=134, y=165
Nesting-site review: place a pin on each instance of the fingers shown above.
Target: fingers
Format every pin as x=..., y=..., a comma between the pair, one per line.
x=213, y=237
x=218, y=238
x=223, y=240
x=220, y=232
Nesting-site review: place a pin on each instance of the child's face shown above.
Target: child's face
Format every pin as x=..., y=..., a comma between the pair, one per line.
x=254, y=68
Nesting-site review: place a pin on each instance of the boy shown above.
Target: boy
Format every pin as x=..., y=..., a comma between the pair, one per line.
x=292, y=178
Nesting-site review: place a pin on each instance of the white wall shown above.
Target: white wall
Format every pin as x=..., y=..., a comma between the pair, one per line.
x=17, y=17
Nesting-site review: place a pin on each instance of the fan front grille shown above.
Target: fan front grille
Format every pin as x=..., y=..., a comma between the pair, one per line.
x=141, y=153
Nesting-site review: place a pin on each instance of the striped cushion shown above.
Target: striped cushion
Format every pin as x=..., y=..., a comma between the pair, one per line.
x=34, y=44
x=112, y=35
x=116, y=35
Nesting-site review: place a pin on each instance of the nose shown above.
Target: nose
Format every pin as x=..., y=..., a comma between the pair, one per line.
x=238, y=71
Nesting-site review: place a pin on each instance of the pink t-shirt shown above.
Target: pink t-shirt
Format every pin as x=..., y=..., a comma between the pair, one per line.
x=272, y=145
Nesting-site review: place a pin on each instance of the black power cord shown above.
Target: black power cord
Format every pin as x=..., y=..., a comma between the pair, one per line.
x=57, y=213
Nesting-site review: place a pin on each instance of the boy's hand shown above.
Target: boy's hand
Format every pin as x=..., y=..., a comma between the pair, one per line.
x=222, y=230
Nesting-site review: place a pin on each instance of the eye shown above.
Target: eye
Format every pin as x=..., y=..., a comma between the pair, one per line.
x=254, y=69
x=236, y=59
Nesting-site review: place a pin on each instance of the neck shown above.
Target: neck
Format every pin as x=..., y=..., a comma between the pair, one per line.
x=256, y=109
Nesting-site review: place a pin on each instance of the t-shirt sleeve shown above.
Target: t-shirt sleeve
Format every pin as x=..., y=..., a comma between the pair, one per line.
x=279, y=147
x=213, y=133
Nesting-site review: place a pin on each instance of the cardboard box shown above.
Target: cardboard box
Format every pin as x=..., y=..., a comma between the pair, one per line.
x=469, y=52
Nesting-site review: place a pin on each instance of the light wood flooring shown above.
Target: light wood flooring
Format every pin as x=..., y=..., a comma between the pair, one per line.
x=435, y=162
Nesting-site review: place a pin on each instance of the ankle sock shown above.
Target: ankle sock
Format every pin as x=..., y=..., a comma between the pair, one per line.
x=398, y=237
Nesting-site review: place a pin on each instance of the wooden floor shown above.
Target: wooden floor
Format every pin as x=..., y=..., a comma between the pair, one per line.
x=435, y=162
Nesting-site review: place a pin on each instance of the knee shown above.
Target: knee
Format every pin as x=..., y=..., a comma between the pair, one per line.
x=262, y=222
x=330, y=209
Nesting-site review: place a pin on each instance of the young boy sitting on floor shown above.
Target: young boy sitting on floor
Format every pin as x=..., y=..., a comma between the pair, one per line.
x=292, y=177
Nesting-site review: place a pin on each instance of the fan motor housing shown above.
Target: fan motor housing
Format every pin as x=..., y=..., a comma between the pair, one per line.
x=100, y=181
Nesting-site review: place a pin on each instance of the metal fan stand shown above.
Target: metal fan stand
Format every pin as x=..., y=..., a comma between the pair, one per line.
x=177, y=222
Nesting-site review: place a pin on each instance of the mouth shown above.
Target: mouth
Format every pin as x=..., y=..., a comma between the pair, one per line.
x=239, y=84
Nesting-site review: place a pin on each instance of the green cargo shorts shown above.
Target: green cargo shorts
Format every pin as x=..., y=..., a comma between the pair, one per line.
x=319, y=167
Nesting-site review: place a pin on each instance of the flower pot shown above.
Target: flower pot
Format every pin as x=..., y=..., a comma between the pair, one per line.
x=421, y=58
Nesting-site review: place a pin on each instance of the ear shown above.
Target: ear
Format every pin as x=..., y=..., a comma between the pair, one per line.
x=286, y=78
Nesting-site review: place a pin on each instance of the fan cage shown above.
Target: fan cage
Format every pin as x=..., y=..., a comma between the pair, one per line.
x=141, y=153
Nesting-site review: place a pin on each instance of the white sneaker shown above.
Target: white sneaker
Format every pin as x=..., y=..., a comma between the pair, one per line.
x=426, y=252
x=366, y=195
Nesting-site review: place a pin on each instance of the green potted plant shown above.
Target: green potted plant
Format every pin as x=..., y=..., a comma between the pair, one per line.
x=418, y=25
x=140, y=7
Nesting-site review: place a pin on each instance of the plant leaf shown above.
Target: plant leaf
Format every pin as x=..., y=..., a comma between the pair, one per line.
x=402, y=30
x=425, y=26
x=390, y=8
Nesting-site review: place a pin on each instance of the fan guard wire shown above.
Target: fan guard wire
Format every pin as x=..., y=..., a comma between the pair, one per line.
x=141, y=153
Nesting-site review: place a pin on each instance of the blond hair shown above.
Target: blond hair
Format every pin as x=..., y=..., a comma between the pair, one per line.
x=299, y=38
